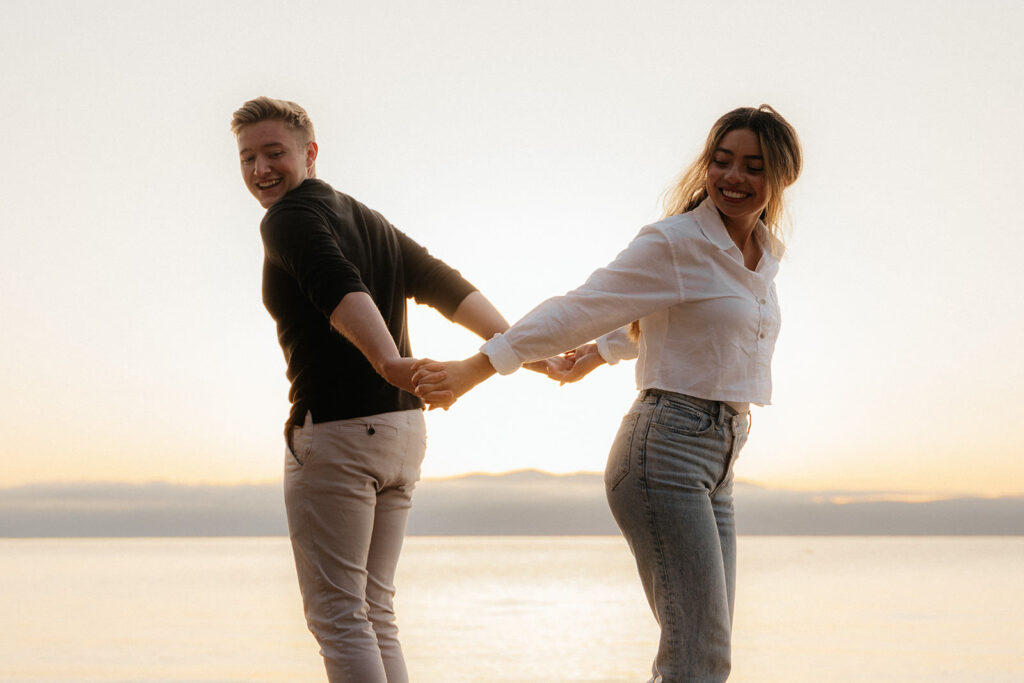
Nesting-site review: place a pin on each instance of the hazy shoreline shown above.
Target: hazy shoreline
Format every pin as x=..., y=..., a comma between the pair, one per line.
x=529, y=503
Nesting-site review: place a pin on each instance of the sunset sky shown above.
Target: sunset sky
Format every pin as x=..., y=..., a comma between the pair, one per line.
x=525, y=143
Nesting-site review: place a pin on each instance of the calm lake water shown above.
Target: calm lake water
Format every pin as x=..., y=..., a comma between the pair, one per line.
x=512, y=609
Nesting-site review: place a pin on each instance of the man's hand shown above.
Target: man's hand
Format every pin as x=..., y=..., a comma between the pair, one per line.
x=441, y=384
x=399, y=372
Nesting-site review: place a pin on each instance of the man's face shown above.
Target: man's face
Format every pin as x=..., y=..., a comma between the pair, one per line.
x=274, y=160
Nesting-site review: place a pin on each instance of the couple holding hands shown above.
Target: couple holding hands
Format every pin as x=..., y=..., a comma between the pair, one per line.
x=691, y=297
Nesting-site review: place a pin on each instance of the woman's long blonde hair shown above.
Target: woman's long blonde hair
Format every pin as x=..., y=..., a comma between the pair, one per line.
x=783, y=160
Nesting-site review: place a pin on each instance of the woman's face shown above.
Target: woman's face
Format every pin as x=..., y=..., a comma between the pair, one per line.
x=736, y=179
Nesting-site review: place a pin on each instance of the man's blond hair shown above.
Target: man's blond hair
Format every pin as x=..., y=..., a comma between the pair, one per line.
x=270, y=109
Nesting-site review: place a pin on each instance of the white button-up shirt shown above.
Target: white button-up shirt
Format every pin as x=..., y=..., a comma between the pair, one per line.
x=708, y=324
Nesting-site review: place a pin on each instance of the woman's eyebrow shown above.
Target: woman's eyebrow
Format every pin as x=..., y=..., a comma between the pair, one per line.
x=731, y=153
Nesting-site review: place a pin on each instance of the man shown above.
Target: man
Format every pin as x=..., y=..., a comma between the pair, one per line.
x=336, y=277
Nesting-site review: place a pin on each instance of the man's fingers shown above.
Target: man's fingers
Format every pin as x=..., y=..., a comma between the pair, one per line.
x=440, y=396
x=439, y=399
x=426, y=364
x=428, y=376
x=424, y=389
x=426, y=369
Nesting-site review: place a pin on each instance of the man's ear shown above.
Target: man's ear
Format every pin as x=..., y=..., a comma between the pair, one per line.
x=311, y=152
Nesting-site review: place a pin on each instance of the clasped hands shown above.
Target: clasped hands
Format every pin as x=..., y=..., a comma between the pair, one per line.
x=440, y=384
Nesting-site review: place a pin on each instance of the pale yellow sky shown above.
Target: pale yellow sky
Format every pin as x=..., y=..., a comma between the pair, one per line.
x=525, y=143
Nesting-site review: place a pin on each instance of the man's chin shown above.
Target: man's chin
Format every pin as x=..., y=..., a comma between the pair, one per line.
x=266, y=201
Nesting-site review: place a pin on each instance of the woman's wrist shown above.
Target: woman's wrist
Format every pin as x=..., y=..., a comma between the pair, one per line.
x=480, y=367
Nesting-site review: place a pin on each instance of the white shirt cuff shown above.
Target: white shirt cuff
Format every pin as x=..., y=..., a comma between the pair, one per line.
x=499, y=352
x=605, y=351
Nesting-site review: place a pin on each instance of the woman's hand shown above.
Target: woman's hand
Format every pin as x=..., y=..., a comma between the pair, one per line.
x=555, y=367
x=583, y=360
x=441, y=384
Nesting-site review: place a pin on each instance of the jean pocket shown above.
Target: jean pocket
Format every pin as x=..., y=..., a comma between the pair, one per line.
x=682, y=418
x=621, y=454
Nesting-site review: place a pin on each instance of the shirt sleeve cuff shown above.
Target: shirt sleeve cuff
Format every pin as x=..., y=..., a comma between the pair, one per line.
x=617, y=345
x=499, y=352
x=604, y=350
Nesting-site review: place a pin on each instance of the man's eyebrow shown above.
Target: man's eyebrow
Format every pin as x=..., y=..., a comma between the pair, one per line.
x=269, y=144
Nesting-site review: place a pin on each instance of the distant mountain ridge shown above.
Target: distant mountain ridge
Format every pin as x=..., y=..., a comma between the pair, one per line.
x=527, y=502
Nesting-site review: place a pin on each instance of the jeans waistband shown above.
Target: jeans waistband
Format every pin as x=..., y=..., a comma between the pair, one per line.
x=719, y=409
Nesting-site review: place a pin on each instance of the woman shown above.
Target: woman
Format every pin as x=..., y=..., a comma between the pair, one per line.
x=693, y=298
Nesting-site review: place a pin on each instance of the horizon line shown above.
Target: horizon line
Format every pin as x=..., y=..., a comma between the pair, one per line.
x=836, y=496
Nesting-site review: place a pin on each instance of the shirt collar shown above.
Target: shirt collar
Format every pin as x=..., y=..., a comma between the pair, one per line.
x=711, y=225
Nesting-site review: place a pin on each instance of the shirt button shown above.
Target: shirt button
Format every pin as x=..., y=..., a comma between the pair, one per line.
x=763, y=301
x=761, y=335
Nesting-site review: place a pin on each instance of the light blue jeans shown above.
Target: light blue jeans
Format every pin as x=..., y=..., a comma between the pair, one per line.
x=669, y=484
x=348, y=490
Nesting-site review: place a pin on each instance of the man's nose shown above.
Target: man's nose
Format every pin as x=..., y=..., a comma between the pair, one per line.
x=261, y=166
